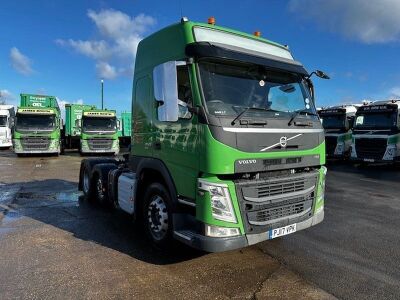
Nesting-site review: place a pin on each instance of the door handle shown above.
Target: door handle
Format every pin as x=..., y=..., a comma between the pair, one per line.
x=157, y=145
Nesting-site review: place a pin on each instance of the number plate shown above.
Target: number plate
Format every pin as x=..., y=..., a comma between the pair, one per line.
x=274, y=233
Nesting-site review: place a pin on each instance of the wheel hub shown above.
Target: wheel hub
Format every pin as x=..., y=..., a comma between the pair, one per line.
x=158, y=217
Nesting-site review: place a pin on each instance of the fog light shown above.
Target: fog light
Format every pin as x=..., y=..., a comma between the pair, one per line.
x=215, y=231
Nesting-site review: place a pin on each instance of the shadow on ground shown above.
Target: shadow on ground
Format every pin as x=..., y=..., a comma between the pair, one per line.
x=59, y=204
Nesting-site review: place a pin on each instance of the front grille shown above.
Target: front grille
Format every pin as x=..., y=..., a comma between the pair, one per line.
x=276, y=201
x=330, y=145
x=35, y=143
x=370, y=148
x=100, y=144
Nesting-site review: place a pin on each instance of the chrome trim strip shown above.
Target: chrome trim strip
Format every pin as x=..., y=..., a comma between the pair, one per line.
x=277, y=144
x=182, y=236
x=271, y=130
x=186, y=202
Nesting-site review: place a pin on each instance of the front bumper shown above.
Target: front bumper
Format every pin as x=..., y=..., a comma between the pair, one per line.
x=5, y=144
x=220, y=244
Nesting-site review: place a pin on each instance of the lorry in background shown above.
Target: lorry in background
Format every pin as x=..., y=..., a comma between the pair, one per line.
x=72, y=127
x=124, y=129
x=7, y=113
x=338, y=123
x=99, y=132
x=376, y=132
x=227, y=147
x=38, y=125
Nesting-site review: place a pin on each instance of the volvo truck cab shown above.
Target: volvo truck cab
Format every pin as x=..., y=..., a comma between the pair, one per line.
x=338, y=124
x=227, y=147
x=376, y=133
x=99, y=132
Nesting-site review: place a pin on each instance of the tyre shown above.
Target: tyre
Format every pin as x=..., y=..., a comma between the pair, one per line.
x=157, y=215
x=87, y=183
x=100, y=181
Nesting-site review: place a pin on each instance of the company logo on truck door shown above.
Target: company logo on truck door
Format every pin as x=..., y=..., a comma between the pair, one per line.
x=99, y=114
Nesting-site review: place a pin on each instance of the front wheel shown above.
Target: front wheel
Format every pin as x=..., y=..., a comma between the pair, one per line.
x=157, y=215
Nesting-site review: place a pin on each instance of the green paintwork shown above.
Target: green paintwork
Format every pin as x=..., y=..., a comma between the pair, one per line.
x=85, y=137
x=126, y=124
x=40, y=103
x=74, y=112
x=188, y=149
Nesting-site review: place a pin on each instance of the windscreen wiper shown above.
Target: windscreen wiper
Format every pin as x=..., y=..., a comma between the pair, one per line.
x=247, y=109
x=300, y=112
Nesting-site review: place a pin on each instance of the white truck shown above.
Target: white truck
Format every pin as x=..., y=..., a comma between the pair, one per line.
x=338, y=124
x=7, y=114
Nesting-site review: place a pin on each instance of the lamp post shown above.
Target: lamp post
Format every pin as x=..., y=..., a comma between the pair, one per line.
x=102, y=94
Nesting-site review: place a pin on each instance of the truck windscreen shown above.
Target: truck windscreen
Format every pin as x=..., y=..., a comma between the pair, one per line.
x=231, y=88
x=96, y=124
x=334, y=121
x=383, y=120
x=3, y=121
x=35, y=122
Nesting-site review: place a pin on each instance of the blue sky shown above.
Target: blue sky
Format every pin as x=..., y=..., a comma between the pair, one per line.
x=63, y=48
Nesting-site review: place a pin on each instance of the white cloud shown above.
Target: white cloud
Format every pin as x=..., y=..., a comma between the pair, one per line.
x=20, y=62
x=105, y=70
x=365, y=21
x=120, y=35
x=93, y=49
x=6, y=97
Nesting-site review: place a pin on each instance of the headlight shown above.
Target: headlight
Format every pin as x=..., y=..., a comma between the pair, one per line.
x=221, y=203
x=216, y=231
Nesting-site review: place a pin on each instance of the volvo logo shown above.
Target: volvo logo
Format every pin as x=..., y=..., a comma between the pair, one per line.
x=247, y=161
x=283, y=141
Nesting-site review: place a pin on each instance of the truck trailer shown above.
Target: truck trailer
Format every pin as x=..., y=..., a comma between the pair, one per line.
x=124, y=128
x=7, y=113
x=72, y=127
x=99, y=132
x=227, y=147
x=376, y=133
x=338, y=124
x=37, y=125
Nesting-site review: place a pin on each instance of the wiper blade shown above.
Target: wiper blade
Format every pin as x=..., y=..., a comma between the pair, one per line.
x=300, y=112
x=247, y=109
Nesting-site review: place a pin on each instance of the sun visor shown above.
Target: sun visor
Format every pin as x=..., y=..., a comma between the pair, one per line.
x=215, y=50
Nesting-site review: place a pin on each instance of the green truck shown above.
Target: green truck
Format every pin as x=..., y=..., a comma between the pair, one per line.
x=72, y=127
x=376, y=133
x=227, y=147
x=99, y=132
x=124, y=128
x=37, y=126
x=338, y=124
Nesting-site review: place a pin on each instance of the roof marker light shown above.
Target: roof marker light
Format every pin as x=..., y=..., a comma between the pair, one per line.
x=211, y=21
x=257, y=33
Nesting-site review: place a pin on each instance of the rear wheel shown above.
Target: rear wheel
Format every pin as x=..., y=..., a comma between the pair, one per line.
x=157, y=215
x=87, y=184
x=100, y=181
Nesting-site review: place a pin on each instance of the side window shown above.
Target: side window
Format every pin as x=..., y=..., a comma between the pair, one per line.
x=172, y=91
x=185, y=99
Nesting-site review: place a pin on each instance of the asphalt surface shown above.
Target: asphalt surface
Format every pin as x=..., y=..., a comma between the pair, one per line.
x=355, y=252
x=54, y=245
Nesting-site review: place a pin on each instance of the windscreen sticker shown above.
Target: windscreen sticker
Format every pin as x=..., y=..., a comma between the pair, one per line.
x=360, y=120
